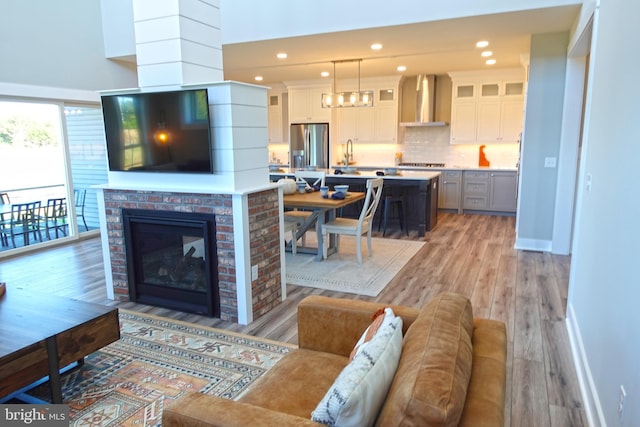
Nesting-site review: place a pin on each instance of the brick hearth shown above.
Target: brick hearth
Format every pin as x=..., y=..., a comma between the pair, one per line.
x=263, y=222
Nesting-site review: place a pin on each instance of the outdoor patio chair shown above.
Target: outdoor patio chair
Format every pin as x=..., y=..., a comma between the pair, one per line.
x=25, y=220
x=80, y=197
x=56, y=218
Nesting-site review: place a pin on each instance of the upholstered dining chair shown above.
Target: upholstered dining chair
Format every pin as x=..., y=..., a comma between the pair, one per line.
x=4, y=219
x=355, y=227
x=314, y=179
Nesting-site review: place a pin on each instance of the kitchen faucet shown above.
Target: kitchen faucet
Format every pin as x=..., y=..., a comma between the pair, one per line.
x=348, y=156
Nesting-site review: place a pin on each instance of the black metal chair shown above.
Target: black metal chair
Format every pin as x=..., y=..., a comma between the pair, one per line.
x=25, y=219
x=5, y=201
x=80, y=197
x=56, y=217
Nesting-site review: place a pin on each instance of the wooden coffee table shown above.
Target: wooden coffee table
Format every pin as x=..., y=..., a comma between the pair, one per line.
x=41, y=334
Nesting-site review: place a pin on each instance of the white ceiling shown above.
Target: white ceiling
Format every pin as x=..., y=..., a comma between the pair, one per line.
x=433, y=47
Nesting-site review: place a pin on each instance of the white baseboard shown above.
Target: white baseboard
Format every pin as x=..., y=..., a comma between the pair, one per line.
x=533, y=245
x=592, y=407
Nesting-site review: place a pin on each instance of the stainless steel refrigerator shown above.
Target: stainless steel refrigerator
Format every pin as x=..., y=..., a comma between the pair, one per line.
x=309, y=145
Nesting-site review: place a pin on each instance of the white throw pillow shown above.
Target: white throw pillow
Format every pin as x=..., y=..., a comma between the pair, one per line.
x=356, y=396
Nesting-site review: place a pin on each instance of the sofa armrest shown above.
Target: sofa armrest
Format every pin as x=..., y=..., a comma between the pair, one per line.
x=485, y=401
x=334, y=325
x=200, y=410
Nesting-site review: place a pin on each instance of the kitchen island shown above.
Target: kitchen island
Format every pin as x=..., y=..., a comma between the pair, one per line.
x=420, y=188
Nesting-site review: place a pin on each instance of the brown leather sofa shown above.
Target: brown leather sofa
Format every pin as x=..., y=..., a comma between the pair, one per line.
x=452, y=370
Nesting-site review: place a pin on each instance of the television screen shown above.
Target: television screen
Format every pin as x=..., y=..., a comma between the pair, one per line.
x=158, y=132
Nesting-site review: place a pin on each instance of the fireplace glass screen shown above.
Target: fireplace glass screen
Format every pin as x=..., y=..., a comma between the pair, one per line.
x=171, y=260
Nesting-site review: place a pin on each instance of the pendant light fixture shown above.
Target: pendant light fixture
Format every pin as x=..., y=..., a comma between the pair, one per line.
x=347, y=99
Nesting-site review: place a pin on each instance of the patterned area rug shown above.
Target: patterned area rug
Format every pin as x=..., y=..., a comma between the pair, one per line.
x=155, y=362
x=341, y=271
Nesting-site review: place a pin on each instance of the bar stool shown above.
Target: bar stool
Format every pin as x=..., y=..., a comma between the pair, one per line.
x=393, y=196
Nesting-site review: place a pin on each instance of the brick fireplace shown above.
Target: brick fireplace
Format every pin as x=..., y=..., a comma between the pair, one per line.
x=262, y=219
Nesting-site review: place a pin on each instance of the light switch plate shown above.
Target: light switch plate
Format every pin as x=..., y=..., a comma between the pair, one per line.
x=549, y=162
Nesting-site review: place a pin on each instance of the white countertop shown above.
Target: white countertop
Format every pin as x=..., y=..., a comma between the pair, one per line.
x=404, y=174
x=422, y=168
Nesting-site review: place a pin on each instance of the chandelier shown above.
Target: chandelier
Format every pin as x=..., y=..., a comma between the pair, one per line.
x=357, y=98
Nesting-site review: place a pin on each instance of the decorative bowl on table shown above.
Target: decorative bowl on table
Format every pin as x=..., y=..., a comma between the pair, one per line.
x=311, y=168
x=391, y=171
x=274, y=168
x=341, y=188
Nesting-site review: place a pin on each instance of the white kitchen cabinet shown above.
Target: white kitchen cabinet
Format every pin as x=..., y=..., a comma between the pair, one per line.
x=305, y=105
x=503, y=191
x=274, y=119
x=356, y=124
x=487, y=107
x=450, y=190
x=377, y=124
x=386, y=122
x=463, y=123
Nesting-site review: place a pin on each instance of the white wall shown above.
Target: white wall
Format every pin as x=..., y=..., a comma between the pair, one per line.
x=289, y=18
x=605, y=285
x=540, y=139
x=58, y=44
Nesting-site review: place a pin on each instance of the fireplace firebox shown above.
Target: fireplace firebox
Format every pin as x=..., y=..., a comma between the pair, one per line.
x=171, y=260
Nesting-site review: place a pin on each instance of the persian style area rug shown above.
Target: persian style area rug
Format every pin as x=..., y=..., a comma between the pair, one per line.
x=155, y=362
x=341, y=272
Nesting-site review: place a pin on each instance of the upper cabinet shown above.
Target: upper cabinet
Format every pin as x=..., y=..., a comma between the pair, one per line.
x=305, y=104
x=377, y=124
x=487, y=107
x=277, y=116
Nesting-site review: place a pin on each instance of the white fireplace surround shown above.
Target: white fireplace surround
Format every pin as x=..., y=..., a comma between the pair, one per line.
x=240, y=158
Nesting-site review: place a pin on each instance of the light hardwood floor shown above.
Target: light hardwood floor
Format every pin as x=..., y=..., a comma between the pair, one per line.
x=469, y=254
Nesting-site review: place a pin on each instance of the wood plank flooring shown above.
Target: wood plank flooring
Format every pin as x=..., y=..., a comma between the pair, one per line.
x=470, y=254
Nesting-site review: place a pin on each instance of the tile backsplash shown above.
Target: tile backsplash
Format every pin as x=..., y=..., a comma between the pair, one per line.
x=431, y=145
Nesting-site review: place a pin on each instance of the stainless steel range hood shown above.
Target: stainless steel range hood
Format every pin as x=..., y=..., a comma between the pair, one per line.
x=418, y=101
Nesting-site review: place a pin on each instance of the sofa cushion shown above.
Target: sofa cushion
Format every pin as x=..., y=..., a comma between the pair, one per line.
x=357, y=394
x=296, y=383
x=430, y=385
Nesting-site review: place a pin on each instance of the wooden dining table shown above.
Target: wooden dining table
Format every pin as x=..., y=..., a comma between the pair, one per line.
x=322, y=210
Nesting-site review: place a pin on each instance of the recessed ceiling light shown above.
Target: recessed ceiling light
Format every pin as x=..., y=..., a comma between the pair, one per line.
x=282, y=55
x=324, y=74
x=258, y=78
x=482, y=43
x=486, y=53
x=376, y=46
x=401, y=68
x=490, y=61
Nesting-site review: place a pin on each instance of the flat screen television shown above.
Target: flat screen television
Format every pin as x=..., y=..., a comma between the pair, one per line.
x=158, y=131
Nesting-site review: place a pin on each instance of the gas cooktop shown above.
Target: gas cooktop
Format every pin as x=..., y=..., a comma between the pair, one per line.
x=424, y=165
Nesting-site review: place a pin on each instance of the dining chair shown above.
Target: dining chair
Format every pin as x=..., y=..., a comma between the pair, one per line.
x=292, y=225
x=355, y=227
x=315, y=179
x=5, y=199
x=56, y=216
x=25, y=219
x=80, y=196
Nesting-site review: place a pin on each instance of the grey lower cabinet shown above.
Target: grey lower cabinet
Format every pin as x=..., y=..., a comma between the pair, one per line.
x=450, y=190
x=504, y=190
x=489, y=191
x=475, y=195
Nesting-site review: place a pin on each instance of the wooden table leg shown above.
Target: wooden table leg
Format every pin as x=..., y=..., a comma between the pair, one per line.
x=54, y=370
